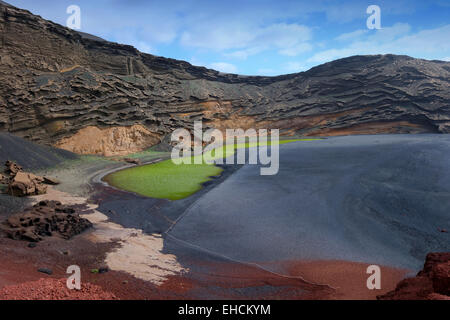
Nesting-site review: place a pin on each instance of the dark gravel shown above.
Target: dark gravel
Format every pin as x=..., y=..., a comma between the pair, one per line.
x=29, y=155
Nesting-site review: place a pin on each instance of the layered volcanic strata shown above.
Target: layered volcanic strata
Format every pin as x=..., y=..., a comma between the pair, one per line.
x=56, y=83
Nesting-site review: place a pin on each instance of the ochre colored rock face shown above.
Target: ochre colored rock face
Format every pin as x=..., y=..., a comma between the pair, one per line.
x=110, y=141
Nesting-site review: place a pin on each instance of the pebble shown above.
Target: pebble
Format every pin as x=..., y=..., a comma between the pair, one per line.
x=103, y=270
x=45, y=270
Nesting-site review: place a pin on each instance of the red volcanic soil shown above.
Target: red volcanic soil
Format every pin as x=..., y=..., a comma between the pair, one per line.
x=20, y=279
x=349, y=279
x=316, y=280
x=53, y=289
x=19, y=270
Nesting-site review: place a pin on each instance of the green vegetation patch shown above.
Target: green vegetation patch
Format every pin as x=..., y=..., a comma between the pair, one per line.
x=166, y=180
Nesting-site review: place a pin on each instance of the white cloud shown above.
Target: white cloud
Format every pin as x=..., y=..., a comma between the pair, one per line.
x=195, y=62
x=296, y=50
x=247, y=40
x=223, y=67
x=390, y=33
x=144, y=47
x=346, y=12
x=295, y=66
x=245, y=53
x=283, y=35
x=398, y=39
x=445, y=59
x=217, y=38
x=352, y=35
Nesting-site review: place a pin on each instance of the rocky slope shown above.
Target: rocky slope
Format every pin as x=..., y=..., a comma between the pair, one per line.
x=56, y=82
x=431, y=283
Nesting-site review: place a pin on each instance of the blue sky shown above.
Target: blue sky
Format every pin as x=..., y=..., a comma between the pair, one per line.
x=261, y=37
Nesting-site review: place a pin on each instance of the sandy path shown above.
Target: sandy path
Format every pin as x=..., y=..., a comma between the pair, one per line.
x=139, y=254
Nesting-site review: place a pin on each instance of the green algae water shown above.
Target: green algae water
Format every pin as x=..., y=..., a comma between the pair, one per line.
x=166, y=180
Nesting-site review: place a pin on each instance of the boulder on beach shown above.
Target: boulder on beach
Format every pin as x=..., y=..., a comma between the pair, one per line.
x=26, y=184
x=21, y=184
x=4, y=179
x=132, y=161
x=12, y=168
x=50, y=181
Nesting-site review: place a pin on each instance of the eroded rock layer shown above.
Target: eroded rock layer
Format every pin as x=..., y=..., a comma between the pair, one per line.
x=56, y=82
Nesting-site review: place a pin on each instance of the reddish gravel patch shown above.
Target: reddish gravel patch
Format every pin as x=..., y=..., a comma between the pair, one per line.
x=347, y=277
x=53, y=289
x=206, y=279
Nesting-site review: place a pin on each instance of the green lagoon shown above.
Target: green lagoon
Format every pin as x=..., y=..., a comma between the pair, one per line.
x=166, y=180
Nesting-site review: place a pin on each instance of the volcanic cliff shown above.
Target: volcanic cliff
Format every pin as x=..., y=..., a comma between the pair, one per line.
x=59, y=87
